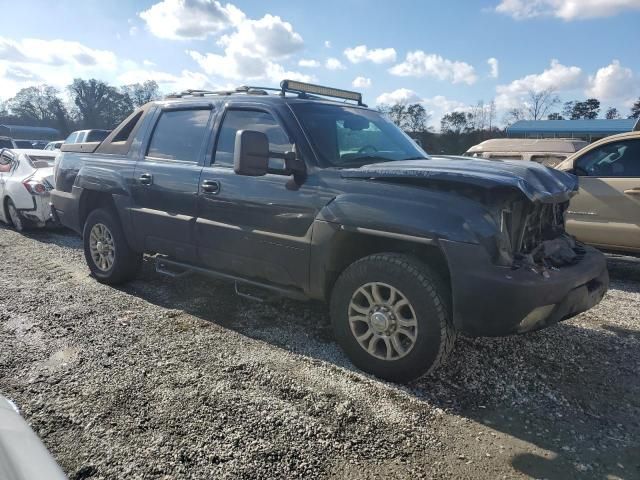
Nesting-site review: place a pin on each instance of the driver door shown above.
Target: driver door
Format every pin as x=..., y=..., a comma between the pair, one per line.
x=255, y=227
x=606, y=212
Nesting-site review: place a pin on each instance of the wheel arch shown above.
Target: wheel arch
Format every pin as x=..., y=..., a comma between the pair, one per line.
x=330, y=258
x=93, y=199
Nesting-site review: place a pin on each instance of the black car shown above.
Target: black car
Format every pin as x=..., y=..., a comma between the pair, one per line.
x=326, y=199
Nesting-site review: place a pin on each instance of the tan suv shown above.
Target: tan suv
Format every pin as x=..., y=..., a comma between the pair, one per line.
x=547, y=151
x=606, y=211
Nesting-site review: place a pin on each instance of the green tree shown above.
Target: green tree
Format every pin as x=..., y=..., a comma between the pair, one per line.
x=589, y=109
x=454, y=122
x=33, y=103
x=612, y=113
x=635, y=109
x=416, y=118
x=555, y=116
x=40, y=105
x=141, y=93
x=99, y=105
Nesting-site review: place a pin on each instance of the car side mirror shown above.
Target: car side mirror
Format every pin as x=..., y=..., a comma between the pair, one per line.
x=251, y=153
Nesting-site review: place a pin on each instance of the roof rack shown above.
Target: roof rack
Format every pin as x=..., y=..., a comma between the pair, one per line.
x=304, y=90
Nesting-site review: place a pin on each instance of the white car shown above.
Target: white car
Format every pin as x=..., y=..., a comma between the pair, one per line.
x=54, y=146
x=26, y=178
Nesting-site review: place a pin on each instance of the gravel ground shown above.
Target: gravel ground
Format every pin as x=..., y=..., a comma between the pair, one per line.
x=168, y=378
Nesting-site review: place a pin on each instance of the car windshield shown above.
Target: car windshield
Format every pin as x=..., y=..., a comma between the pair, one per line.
x=346, y=136
x=23, y=144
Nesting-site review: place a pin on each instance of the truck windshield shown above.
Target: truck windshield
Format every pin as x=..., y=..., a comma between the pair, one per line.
x=347, y=137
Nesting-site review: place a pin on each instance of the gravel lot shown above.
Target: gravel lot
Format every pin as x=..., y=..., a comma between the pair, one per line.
x=173, y=378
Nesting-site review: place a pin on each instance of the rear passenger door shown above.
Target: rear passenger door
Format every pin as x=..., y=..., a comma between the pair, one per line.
x=166, y=178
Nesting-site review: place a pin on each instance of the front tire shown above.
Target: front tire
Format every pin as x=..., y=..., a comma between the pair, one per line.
x=108, y=255
x=390, y=314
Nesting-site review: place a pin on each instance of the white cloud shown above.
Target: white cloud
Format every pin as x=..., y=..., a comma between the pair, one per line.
x=361, y=82
x=614, y=83
x=189, y=19
x=55, y=53
x=362, y=53
x=307, y=63
x=421, y=64
x=327, y=44
x=565, y=9
x=557, y=77
x=444, y=105
x=32, y=61
x=493, y=64
x=243, y=66
x=401, y=95
x=269, y=36
x=252, y=49
x=334, y=64
x=148, y=63
x=168, y=81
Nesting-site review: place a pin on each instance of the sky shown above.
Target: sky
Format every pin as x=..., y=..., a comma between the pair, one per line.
x=446, y=55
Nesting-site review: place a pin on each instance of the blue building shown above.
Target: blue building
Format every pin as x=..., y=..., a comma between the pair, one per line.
x=589, y=130
x=24, y=132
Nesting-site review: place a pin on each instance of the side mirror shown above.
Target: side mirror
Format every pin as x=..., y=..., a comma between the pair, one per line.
x=251, y=153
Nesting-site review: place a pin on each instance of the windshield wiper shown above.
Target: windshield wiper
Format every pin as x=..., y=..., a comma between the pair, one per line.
x=416, y=158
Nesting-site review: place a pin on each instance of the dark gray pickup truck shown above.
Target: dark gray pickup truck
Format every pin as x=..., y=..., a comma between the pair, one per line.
x=325, y=199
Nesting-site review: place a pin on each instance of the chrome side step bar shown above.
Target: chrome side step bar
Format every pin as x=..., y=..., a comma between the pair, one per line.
x=176, y=269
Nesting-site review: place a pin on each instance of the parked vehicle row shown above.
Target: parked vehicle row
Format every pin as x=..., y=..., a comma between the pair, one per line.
x=26, y=179
x=547, y=151
x=316, y=198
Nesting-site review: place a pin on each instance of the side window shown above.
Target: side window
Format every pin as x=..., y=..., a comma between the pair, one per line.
x=615, y=159
x=235, y=120
x=179, y=135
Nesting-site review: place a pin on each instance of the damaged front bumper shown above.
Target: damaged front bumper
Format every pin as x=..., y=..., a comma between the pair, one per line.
x=490, y=300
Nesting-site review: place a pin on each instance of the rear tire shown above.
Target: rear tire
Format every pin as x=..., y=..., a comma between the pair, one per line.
x=15, y=217
x=390, y=314
x=106, y=250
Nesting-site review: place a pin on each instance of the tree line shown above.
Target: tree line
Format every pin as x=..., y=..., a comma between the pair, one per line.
x=89, y=104
x=461, y=129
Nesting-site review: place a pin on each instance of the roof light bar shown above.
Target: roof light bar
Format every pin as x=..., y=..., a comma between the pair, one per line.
x=294, y=86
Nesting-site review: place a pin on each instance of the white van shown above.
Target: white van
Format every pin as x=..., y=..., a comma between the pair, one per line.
x=548, y=151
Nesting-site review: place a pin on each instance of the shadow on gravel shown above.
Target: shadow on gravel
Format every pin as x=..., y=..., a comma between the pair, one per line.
x=60, y=236
x=569, y=390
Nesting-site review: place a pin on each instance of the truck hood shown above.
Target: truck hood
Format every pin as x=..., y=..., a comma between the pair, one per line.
x=537, y=182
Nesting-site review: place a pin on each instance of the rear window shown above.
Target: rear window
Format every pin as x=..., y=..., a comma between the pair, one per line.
x=97, y=135
x=505, y=157
x=179, y=135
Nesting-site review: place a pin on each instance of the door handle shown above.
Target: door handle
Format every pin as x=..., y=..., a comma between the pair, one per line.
x=211, y=186
x=633, y=191
x=146, y=179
